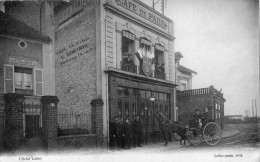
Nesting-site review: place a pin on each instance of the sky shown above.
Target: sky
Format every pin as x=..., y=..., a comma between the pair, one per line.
x=219, y=39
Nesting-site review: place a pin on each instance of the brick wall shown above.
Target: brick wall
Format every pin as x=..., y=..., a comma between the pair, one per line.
x=188, y=104
x=75, y=57
x=13, y=133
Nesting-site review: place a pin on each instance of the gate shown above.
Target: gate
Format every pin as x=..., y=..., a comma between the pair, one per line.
x=32, y=126
x=32, y=116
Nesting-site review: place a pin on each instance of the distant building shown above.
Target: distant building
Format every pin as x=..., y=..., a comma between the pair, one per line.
x=188, y=99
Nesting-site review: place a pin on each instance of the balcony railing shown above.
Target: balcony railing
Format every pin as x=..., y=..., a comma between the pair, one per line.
x=201, y=91
x=193, y=92
x=159, y=74
x=128, y=67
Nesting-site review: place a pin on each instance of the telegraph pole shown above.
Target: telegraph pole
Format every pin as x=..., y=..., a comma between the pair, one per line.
x=253, y=115
x=255, y=110
x=163, y=5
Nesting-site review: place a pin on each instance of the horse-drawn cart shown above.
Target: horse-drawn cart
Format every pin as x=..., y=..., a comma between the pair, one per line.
x=196, y=133
x=210, y=132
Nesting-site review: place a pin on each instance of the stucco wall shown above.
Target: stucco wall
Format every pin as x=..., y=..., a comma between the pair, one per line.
x=9, y=47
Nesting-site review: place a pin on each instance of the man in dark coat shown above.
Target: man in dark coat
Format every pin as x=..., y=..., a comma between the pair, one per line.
x=198, y=118
x=137, y=132
x=128, y=59
x=118, y=132
x=127, y=132
x=112, y=132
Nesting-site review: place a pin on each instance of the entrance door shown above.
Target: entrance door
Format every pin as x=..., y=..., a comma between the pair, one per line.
x=32, y=126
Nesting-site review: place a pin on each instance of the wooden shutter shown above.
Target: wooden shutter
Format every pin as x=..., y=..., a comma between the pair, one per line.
x=9, y=78
x=38, y=81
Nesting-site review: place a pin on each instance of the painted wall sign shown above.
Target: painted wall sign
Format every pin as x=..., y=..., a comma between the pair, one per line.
x=143, y=12
x=74, y=50
x=23, y=61
x=72, y=8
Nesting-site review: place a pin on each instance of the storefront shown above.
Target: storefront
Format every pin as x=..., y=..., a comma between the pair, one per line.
x=134, y=95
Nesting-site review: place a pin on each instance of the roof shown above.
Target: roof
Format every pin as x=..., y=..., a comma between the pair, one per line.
x=10, y=26
x=186, y=70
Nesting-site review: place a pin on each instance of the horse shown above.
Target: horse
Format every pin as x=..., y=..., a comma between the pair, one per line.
x=166, y=127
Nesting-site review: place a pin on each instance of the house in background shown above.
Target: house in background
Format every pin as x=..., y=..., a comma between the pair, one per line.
x=188, y=99
x=184, y=75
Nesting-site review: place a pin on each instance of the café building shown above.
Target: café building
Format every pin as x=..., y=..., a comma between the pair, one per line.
x=120, y=51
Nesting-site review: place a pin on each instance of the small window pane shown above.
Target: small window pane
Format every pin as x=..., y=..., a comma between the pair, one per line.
x=142, y=94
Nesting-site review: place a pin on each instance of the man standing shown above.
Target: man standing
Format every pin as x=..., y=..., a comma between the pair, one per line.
x=127, y=131
x=112, y=132
x=137, y=132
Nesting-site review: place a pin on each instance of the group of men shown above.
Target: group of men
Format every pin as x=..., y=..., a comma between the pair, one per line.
x=125, y=134
x=200, y=119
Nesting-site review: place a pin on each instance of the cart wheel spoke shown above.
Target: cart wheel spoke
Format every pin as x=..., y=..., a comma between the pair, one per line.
x=212, y=133
x=194, y=138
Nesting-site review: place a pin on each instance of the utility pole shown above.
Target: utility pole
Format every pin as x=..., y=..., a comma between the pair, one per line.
x=154, y=3
x=255, y=110
x=163, y=5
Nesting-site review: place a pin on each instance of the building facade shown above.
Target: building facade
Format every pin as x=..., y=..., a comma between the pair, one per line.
x=119, y=51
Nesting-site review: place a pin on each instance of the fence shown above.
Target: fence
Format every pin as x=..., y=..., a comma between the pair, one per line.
x=74, y=122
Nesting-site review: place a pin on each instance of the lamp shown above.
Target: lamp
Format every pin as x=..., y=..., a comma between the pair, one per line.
x=152, y=98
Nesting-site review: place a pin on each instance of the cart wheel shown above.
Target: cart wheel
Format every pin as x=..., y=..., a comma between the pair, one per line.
x=212, y=133
x=194, y=138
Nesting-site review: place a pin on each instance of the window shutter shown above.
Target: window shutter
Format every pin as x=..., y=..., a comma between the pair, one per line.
x=38, y=73
x=9, y=78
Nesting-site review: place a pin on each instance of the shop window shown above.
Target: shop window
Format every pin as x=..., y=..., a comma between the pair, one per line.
x=120, y=109
x=143, y=94
x=135, y=93
x=126, y=91
x=148, y=94
x=161, y=108
x=127, y=63
x=161, y=96
x=119, y=91
x=166, y=111
x=127, y=109
x=23, y=80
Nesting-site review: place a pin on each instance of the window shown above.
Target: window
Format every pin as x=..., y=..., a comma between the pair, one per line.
x=127, y=63
x=27, y=81
x=127, y=43
x=23, y=80
x=159, y=58
x=183, y=87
